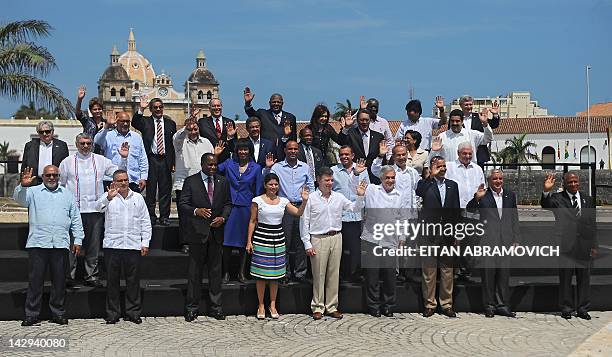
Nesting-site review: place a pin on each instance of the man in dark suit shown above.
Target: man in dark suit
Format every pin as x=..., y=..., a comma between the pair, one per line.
x=157, y=132
x=276, y=124
x=218, y=128
x=260, y=146
x=499, y=214
x=206, y=203
x=472, y=121
x=365, y=142
x=440, y=206
x=576, y=234
x=43, y=151
x=308, y=153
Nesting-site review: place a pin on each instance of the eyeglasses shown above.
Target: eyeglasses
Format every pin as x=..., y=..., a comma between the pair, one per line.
x=51, y=175
x=45, y=132
x=86, y=143
x=158, y=106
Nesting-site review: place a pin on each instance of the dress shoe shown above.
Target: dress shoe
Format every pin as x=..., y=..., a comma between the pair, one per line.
x=489, y=313
x=428, y=312
x=60, y=320
x=94, y=283
x=375, y=313
x=136, y=320
x=190, y=316
x=30, y=321
x=242, y=278
x=70, y=283
x=466, y=279
x=261, y=314
x=217, y=316
x=111, y=321
x=317, y=316
x=300, y=279
x=400, y=278
x=153, y=221
x=357, y=279
x=449, y=312
x=386, y=312
x=584, y=315
x=274, y=315
x=226, y=278
x=185, y=249
x=506, y=312
x=336, y=314
x=284, y=281
x=566, y=315
x=164, y=222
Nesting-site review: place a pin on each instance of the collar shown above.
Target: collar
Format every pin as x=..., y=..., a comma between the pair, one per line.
x=42, y=143
x=129, y=133
x=451, y=133
x=198, y=140
x=439, y=182
x=129, y=195
x=460, y=164
x=342, y=168
x=500, y=194
x=217, y=118
x=393, y=192
x=364, y=133
x=255, y=141
x=577, y=194
x=58, y=189
x=205, y=176
x=158, y=119
x=84, y=157
x=285, y=163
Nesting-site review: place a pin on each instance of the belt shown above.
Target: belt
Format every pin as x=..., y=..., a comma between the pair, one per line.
x=330, y=233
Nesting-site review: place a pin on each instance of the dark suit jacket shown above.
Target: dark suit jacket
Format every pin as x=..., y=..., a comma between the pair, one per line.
x=146, y=126
x=576, y=235
x=270, y=129
x=208, y=131
x=194, y=195
x=354, y=140
x=498, y=232
x=317, y=155
x=30, y=155
x=482, y=153
x=434, y=212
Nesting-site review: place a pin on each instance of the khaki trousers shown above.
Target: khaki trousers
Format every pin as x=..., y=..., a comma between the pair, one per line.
x=325, y=272
x=430, y=272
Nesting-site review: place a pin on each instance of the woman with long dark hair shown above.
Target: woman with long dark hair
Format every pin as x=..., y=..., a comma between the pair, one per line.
x=322, y=132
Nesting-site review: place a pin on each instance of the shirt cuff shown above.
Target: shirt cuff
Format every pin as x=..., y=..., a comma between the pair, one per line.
x=194, y=211
x=307, y=244
x=546, y=194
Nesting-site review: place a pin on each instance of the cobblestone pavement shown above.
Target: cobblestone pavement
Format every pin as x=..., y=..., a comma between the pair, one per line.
x=298, y=335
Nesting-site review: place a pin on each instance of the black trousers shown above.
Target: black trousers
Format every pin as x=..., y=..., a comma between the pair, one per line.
x=209, y=253
x=39, y=258
x=129, y=260
x=93, y=227
x=495, y=289
x=160, y=177
x=291, y=228
x=583, y=287
x=376, y=270
x=351, y=242
x=182, y=234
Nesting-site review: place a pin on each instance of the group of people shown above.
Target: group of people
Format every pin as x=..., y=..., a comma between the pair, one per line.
x=282, y=202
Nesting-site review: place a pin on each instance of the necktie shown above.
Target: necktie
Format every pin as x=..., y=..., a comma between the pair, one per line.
x=218, y=128
x=575, y=206
x=210, y=189
x=310, y=162
x=160, y=138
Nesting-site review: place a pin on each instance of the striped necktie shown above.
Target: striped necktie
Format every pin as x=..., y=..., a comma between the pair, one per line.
x=160, y=138
x=575, y=206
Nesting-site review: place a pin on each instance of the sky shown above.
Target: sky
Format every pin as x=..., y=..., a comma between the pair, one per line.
x=327, y=51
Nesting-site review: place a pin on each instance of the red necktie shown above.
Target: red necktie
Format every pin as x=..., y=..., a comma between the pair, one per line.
x=218, y=129
x=210, y=189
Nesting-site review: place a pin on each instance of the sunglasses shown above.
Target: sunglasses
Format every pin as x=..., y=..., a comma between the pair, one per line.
x=45, y=132
x=51, y=175
x=86, y=143
x=158, y=106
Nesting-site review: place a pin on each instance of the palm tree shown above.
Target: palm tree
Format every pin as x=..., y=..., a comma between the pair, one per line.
x=31, y=112
x=515, y=153
x=342, y=108
x=23, y=63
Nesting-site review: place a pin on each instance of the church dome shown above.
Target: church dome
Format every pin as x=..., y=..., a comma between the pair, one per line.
x=115, y=73
x=201, y=74
x=138, y=68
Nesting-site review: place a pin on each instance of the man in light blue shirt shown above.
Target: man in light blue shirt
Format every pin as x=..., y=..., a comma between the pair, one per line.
x=110, y=140
x=53, y=214
x=344, y=183
x=293, y=175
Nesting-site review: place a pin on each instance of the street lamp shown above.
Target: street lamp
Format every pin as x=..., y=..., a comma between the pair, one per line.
x=588, y=68
x=189, y=98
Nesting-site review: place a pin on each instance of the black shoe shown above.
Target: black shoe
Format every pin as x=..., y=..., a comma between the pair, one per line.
x=386, y=312
x=185, y=249
x=94, y=283
x=357, y=279
x=60, y=320
x=284, y=281
x=506, y=312
x=70, y=283
x=30, y=321
x=401, y=278
x=217, y=316
x=300, y=279
x=375, y=313
x=584, y=315
x=153, y=221
x=449, y=312
x=566, y=315
x=226, y=278
x=466, y=279
x=164, y=222
x=136, y=320
x=111, y=321
x=242, y=278
x=489, y=313
x=190, y=316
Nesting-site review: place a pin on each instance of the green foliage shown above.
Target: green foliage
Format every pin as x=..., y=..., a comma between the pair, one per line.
x=516, y=151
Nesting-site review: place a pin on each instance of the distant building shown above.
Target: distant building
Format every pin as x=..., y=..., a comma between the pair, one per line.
x=131, y=75
x=514, y=105
x=598, y=110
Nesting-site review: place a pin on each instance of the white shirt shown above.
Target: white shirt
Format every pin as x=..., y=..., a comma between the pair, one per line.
x=405, y=181
x=83, y=174
x=451, y=141
x=441, y=189
x=365, y=137
x=154, y=144
x=256, y=145
x=424, y=125
x=499, y=200
x=127, y=224
x=325, y=214
x=45, y=156
x=381, y=207
x=468, y=178
x=268, y=213
x=188, y=156
x=577, y=194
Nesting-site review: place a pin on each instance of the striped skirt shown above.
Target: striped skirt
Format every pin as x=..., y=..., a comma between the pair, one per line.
x=268, y=260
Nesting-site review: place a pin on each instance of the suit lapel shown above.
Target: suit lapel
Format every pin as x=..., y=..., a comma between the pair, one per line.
x=359, y=141
x=437, y=192
x=447, y=195
x=492, y=202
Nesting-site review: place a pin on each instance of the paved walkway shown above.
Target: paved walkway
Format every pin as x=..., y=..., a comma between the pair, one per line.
x=298, y=335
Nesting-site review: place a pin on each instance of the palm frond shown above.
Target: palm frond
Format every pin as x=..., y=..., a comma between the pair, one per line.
x=26, y=57
x=19, y=86
x=22, y=31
